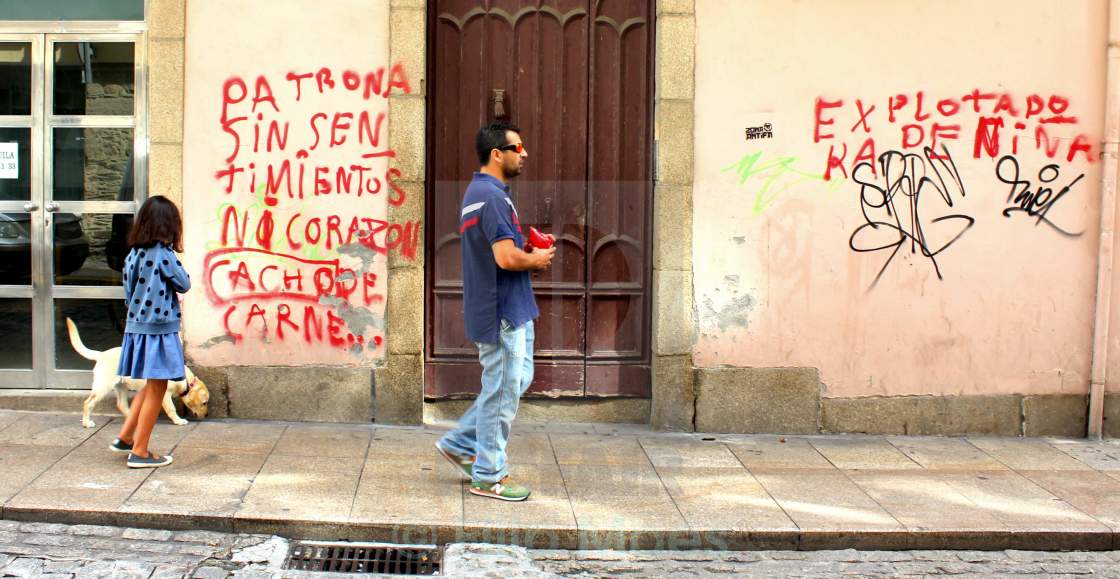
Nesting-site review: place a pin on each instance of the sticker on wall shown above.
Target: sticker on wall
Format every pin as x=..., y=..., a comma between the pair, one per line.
x=765, y=131
x=9, y=160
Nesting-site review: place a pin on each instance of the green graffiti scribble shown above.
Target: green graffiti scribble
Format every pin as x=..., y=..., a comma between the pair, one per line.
x=778, y=176
x=314, y=252
x=257, y=207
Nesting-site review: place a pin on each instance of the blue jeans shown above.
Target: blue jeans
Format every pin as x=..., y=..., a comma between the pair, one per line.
x=483, y=431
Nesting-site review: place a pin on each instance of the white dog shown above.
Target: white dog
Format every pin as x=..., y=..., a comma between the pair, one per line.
x=191, y=391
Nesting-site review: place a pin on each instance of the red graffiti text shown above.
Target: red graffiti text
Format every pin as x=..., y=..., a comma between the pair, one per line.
x=991, y=122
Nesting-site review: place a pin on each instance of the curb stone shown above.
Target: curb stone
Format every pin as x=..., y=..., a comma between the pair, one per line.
x=270, y=552
x=488, y=560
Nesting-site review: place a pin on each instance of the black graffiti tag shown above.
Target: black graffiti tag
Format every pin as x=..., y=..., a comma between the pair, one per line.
x=1035, y=203
x=897, y=201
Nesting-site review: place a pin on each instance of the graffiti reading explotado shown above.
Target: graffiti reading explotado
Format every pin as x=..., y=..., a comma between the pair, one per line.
x=994, y=121
x=307, y=178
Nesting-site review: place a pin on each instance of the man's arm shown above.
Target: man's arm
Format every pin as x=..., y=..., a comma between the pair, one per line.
x=511, y=258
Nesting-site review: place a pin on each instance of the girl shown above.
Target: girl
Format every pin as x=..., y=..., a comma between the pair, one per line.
x=151, y=348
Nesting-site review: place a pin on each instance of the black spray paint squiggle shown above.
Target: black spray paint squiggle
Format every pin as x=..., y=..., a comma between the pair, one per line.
x=1035, y=203
x=908, y=175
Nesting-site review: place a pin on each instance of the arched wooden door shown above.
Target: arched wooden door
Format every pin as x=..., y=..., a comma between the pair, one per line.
x=575, y=76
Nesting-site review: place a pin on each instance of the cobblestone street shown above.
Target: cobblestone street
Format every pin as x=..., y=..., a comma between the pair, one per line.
x=827, y=563
x=52, y=551
x=57, y=551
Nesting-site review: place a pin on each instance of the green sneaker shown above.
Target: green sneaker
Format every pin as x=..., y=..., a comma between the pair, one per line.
x=505, y=490
x=463, y=464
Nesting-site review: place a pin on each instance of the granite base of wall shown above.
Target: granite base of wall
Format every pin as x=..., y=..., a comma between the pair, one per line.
x=1004, y=415
x=789, y=401
x=614, y=410
x=733, y=400
x=38, y=400
x=304, y=393
x=758, y=400
x=332, y=394
x=1112, y=415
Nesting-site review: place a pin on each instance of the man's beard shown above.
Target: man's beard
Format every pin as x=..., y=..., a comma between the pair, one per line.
x=511, y=172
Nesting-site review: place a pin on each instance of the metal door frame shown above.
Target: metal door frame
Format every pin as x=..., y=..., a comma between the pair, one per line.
x=44, y=372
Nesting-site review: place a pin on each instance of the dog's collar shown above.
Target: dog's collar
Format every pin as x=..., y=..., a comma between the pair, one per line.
x=190, y=384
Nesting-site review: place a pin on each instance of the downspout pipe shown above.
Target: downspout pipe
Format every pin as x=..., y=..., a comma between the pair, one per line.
x=1109, y=165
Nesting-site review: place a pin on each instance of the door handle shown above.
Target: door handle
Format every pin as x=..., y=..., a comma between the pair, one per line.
x=30, y=206
x=51, y=207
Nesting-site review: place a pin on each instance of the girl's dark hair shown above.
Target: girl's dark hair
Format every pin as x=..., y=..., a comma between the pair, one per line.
x=157, y=221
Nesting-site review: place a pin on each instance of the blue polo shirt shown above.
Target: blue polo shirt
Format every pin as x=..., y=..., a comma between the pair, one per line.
x=491, y=293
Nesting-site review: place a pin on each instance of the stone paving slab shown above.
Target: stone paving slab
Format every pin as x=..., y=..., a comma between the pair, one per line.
x=609, y=450
x=863, y=453
x=621, y=499
x=165, y=435
x=1025, y=507
x=302, y=487
x=1028, y=454
x=771, y=452
x=595, y=486
x=86, y=480
x=344, y=441
x=215, y=480
x=431, y=511
x=549, y=508
x=1091, y=492
x=22, y=463
x=826, y=502
x=7, y=417
x=688, y=451
x=946, y=454
x=1097, y=455
x=45, y=430
x=403, y=443
x=729, y=507
x=243, y=435
x=931, y=510
x=532, y=448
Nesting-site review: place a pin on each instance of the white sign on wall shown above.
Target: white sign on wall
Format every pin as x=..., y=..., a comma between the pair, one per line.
x=9, y=160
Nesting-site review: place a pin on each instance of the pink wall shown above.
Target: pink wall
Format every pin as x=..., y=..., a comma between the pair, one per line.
x=288, y=177
x=789, y=268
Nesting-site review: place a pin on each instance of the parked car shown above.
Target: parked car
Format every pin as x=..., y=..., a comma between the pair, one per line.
x=71, y=246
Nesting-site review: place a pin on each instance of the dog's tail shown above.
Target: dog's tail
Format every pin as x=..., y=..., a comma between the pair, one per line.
x=76, y=342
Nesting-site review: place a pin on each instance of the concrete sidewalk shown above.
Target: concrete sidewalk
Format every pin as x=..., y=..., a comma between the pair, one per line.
x=596, y=486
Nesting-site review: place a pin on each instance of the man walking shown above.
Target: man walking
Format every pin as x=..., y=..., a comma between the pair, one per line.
x=499, y=310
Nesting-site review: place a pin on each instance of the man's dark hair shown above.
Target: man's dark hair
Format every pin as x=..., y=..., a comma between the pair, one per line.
x=490, y=137
x=157, y=221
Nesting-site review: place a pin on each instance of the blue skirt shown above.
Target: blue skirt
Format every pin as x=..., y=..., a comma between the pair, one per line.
x=157, y=356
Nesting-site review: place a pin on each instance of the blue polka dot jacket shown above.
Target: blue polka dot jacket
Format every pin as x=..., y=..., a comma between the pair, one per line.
x=152, y=277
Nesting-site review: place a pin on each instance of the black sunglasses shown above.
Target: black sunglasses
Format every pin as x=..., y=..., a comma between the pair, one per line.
x=518, y=147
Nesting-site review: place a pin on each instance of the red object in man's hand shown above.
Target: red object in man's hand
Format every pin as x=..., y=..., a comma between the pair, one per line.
x=538, y=239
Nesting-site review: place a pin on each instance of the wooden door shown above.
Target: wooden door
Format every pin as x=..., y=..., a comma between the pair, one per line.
x=575, y=76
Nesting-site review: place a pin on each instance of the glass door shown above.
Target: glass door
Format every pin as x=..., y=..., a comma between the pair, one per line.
x=88, y=150
x=21, y=193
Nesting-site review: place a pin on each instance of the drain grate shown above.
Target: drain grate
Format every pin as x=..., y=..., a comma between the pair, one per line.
x=383, y=558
